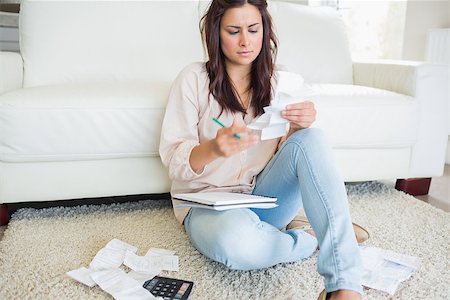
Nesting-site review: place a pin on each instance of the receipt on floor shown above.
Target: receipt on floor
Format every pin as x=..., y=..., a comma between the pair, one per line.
x=104, y=269
x=384, y=270
x=151, y=263
x=158, y=252
x=141, y=277
x=111, y=256
x=119, y=285
x=82, y=275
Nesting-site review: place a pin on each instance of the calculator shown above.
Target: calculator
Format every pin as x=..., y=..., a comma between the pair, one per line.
x=169, y=288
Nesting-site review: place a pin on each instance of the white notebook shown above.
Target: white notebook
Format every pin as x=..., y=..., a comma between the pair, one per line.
x=223, y=200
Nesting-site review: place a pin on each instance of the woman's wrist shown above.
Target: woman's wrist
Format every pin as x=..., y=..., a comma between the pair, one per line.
x=201, y=155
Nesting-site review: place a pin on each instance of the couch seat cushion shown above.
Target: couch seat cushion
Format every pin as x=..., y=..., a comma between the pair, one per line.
x=362, y=117
x=82, y=121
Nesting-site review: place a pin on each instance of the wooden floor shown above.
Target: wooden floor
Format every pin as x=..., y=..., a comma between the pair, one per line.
x=438, y=196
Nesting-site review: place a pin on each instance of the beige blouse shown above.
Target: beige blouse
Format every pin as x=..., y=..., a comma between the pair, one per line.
x=187, y=123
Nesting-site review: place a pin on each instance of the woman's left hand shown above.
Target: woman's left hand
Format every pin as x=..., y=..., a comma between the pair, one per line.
x=300, y=115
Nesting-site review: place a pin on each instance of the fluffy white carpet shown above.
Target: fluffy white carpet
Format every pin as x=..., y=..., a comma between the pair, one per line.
x=40, y=246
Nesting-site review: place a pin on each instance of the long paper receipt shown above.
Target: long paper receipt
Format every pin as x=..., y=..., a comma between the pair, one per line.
x=104, y=270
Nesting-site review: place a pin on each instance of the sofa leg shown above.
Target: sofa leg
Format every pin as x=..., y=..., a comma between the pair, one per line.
x=4, y=214
x=414, y=186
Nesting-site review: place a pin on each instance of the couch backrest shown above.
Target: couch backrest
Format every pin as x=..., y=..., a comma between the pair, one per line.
x=76, y=41
x=312, y=42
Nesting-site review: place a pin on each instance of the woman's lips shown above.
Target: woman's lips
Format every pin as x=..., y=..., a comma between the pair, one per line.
x=244, y=53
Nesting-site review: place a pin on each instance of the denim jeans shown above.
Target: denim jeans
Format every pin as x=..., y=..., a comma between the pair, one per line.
x=302, y=174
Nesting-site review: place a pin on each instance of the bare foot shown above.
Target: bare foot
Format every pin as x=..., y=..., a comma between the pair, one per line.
x=345, y=295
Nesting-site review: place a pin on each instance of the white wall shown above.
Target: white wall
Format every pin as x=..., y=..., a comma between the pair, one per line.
x=422, y=15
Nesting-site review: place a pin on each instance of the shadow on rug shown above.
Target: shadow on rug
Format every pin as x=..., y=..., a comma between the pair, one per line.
x=40, y=246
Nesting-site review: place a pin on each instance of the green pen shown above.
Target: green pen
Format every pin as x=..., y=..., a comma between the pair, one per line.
x=223, y=126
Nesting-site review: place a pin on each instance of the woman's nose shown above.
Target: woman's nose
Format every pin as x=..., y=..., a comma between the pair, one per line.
x=244, y=40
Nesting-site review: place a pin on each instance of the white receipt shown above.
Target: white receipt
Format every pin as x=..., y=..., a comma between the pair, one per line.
x=290, y=89
x=121, y=245
x=83, y=275
x=165, y=262
x=111, y=256
x=140, y=264
x=107, y=259
x=119, y=285
x=158, y=252
x=104, y=270
x=141, y=277
x=151, y=263
x=384, y=270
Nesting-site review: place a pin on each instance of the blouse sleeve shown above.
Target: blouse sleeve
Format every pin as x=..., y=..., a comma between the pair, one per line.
x=179, y=132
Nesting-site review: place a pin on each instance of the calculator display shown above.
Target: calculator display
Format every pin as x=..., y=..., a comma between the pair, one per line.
x=169, y=288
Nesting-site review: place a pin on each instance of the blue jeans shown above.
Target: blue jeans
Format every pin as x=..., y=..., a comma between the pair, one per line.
x=301, y=174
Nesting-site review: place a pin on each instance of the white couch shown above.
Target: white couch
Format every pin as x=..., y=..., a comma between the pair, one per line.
x=81, y=106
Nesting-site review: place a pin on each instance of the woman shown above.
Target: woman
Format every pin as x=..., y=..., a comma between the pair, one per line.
x=234, y=86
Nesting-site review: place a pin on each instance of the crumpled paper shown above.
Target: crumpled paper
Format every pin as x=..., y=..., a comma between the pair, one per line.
x=104, y=270
x=291, y=88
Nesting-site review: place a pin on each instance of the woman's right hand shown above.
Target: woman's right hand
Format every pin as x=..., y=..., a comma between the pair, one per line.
x=227, y=144
x=223, y=145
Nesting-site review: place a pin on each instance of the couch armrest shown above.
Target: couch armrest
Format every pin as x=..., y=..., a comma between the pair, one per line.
x=392, y=75
x=428, y=84
x=11, y=71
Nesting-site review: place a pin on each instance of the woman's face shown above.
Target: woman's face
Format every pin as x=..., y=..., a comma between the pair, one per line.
x=241, y=35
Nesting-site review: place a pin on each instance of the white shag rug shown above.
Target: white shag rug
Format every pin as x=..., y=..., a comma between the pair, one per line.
x=40, y=246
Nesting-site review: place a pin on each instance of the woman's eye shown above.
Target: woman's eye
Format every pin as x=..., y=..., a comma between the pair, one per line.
x=233, y=32
x=253, y=31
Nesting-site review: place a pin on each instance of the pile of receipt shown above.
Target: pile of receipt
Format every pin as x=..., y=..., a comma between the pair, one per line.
x=104, y=270
x=384, y=270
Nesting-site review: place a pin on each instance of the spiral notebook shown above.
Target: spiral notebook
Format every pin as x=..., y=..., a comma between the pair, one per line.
x=223, y=200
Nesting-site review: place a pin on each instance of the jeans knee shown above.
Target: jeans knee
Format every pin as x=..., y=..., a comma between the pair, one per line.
x=237, y=249
x=308, y=136
x=309, y=139
x=227, y=238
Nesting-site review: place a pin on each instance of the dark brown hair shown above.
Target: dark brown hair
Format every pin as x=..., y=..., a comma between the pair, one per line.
x=220, y=85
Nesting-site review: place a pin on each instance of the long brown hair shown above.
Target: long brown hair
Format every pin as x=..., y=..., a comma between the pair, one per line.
x=220, y=85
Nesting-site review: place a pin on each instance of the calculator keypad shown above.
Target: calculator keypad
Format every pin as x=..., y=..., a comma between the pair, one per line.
x=169, y=288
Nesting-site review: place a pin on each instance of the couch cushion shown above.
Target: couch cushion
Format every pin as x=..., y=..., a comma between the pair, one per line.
x=82, y=121
x=362, y=117
x=107, y=40
x=312, y=42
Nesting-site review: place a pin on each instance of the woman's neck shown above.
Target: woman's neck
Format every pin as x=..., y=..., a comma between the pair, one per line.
x=240, y=78
x=239, y=74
